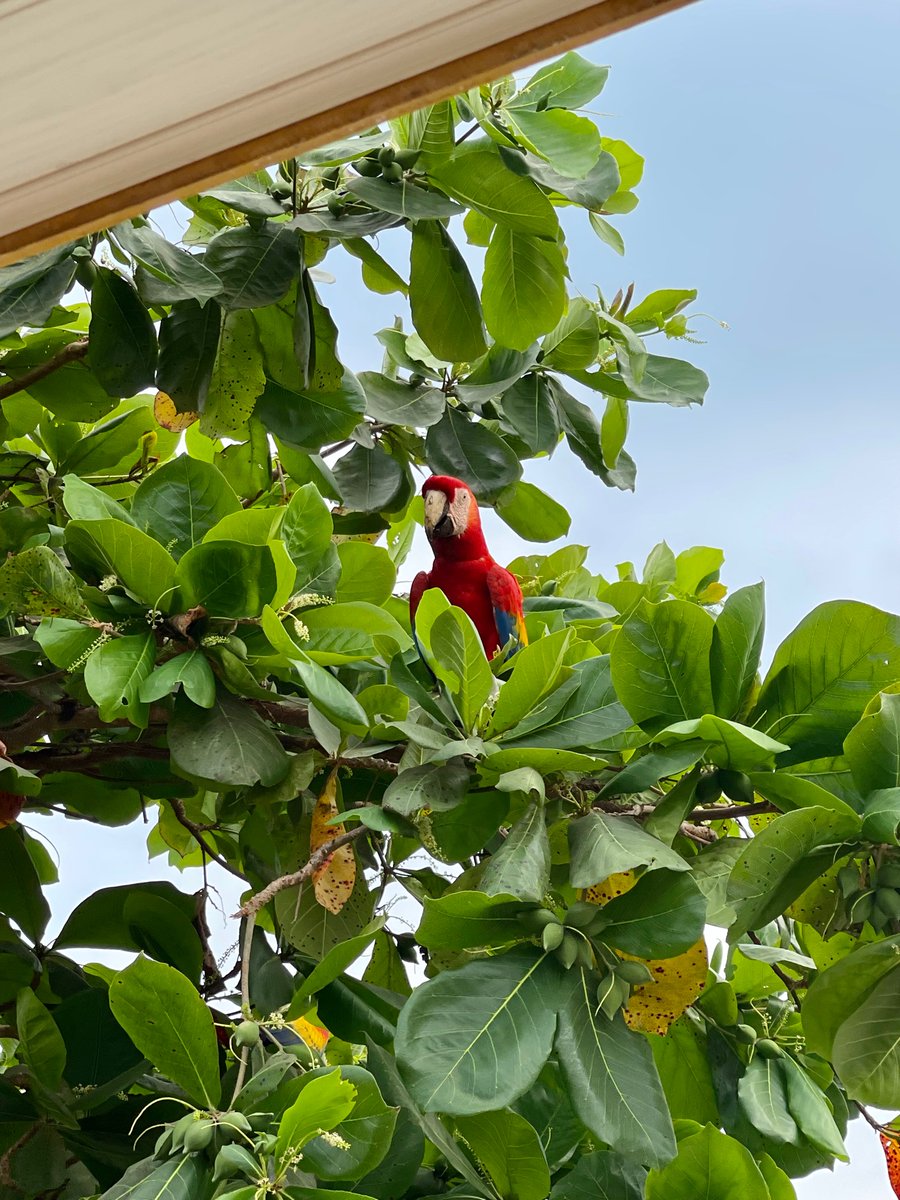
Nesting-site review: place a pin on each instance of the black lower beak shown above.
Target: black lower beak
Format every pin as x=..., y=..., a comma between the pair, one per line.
x=444, y=527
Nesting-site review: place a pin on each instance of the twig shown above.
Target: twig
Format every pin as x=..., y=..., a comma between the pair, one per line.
x=785, y=979
x=864, y=1112
x=70, y=353
x=250, y=923
x=472, y=129
x=197, y=833
x=317, y=859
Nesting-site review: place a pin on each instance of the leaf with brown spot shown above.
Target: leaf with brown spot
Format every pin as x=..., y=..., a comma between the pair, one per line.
x=333, y=882
x=314, y=1035
x=891, y=1147
x=169, y=417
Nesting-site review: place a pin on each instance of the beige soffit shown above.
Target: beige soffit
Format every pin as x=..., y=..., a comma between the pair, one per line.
x=113, y=106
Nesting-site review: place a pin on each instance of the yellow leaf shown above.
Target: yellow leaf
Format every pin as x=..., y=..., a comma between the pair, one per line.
x=677, y=982
x=313, y=1035
x=333, y=882
x=168, y=416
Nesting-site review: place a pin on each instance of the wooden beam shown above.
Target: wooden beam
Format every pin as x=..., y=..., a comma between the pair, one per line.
x=597, y=20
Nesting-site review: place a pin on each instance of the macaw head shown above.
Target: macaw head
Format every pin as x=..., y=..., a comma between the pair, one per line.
x=451, y=511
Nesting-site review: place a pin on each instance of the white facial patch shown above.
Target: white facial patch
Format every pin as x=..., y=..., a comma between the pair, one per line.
x=435, y=504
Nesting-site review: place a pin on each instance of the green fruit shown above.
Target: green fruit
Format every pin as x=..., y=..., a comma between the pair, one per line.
x=386, y=156
x=888, y=900
x=766, y=1048
x=163, y=1147
x=236, y=1121
x=304, y=1054
x=549, y=587
x=236, y=645
x=86, y=273
x=888, y=875
x=585, y=957
x=247, y=1034
x=537, y=918
x=331, y=176
x=861, y=908
x=393, y=173
x=199, y=1136
x=267, y=1144
x=708, y=789
x=567, y=951
x=335, y=205
x=581, y=915
x=736, y=786
x=234, y=1160
x=181, y=1126
x=552, y=937
x=634, y=973
x=261, y=1121
x=280, y=193
x=416, y=380
x=745, y=1034
x=366, y=166
x=407, y=158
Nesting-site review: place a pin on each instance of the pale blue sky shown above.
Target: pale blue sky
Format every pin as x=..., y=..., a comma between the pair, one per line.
x=770, y=130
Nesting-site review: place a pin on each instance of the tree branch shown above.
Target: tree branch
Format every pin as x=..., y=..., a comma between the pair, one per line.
x=197, y=833
x=727, y=814
x=789, y=983
x=317, y=859
x=70, y=353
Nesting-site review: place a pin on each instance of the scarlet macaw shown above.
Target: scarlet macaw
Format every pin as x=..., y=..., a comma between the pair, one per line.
x=463, y=568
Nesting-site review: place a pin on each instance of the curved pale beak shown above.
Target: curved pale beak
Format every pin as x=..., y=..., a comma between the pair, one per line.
x=438, y=521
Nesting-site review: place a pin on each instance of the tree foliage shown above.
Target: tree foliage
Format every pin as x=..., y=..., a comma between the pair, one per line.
x=203, y=514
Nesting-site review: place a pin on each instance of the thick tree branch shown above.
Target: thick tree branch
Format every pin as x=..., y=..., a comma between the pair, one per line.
x=738, y=810
x=70, y=353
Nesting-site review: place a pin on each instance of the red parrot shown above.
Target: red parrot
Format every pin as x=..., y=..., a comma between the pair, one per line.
x=463, y=568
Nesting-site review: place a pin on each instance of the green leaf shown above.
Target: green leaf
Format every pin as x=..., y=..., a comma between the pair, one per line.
x=255, y=265
x=866, y=1048
x=709, y=1164
x=404, y=199
x=881, y=816
x=115, y=673
x=87, y=503
x=736, y=647
x=188, y=342
x=161, y=930
x=123, y=348
x=183, y=1178
x=41, y=1044
x=602, y=845
x=237, y=380
x=685, y=1072
x=823, y=675
x=29, y=289
x=459, y=662
x=171, y=274
x=509, y=1149
x=335, y=963
x=386, y=971
x=436, y=787
x=181, y=501
x=575, y=341
x=654, y=310
x=529, y=413
x=504, y=1018
x=110, y=547
x=465, y=920
x=100, y=919
x=670, y=381
x=584, y=433
x=660, y=917
x=370, y=480
x=607, y=233
x=378, y=276
x=229, y=579
x=350, y=632
x=838, y=992
x=873, y=745
x=660, y=661
x=226, y=744
x=313, y=930
x=583, y=711
x=730, y=745
x=367, y=574
x=809, y=1108
x=325, y=1100
x=116, y=442
x=190, y=671
x=367, y=1129
x=601, y=1176
x=399, y=403
x=538, y=668
x=168, y=1022
x=36, y=583
x=782, y=860
x=532, y=513
x=469, y=450
x=443, y=299
x=610, y=1077
x=311, y=419
x=696, y=567
x=479, y=180
x=571, y=144
x=250, y=194
x=568, y=82
x=523, y=290
x=21, y=897
x=521, y=867
x=763, y=1100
